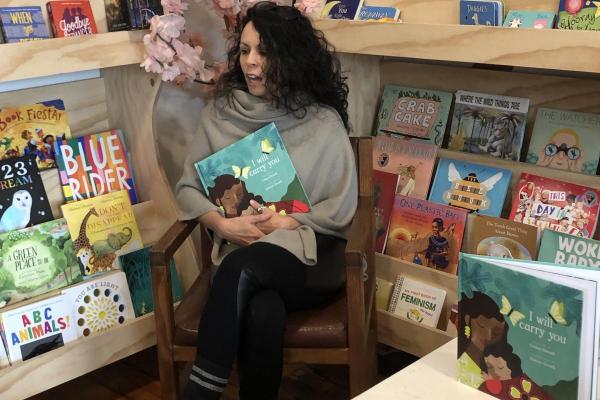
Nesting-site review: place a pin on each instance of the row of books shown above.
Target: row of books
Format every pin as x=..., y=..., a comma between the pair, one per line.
x=358, y=10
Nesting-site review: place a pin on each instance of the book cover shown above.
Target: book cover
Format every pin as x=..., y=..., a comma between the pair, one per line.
x=341, y=9
x=480, y=12
x=566, y=140
x=257, y=167
x=426, y=233
x=117, y=16
x=100, y=304
x=102, y=228
x=71, y=18
x=141, y=12
x=562, y=248
x=488, y=124
x=23, y=24
x=93, y=165
x=23, y=199
x=552, y=204
x=529, y=19
x=36, y=260
x=33, y=129
x=37, y=328
x=498, y=237
x=416, y=112
x=384, y=190
x=410, y=159
x=378, y=13
x=578, y=15
x=383, y=291
x=417, y=301
x=136, y=266
x=4, y=361
x=477, y=188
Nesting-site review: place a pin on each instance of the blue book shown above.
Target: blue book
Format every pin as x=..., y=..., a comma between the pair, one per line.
x=341, y=9
x=23, y=24
x=480, y=12
x=378, y=13
x=529, y=19
x=474, y=187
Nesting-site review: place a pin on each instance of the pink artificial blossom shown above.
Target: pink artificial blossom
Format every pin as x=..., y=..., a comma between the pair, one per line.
x=227, y=7
x=306, y=7
x=168, y=26
x=151, y=65
x=174, y=6
x=170, y=72
x=188, y=55
x=158, y=49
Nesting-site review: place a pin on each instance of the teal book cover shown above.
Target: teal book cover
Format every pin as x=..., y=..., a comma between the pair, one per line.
x=416, y=112
x=579, y=15
x=257, y=167
x=562, y=248
x=529, y=19
x=519, y=335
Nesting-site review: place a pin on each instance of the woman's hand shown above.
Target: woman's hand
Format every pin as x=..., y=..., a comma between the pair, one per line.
x=243, y=230
x=275, y=221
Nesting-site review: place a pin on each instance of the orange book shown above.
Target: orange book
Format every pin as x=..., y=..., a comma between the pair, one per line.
x=71, y=18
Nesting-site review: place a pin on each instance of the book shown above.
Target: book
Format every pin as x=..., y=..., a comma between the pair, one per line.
x=488, y=124
x=529, y=19
x=23, y=24
x=33, y=129
x=93, y=165
x=117, y=16
x=99, y=304
x=36, y=328
x=415, y=112
x=481, y=12
x=498, y=237
x=141, y=12
x=552, y=204
x=257, y=167
x=383, y=291
x=384, y=190
x=527, y=329
x=411, y=160
x=562, y=248
x=102, y=229
x=23, y=199
x=578, y=15
x=426, y=233
x=477, y=188
x=71, y=18
x=417, y=301
x=4, y=360
x=36, y=260
x=137, y=269
x=566, y=140
x=378, y=13
x=341, y=9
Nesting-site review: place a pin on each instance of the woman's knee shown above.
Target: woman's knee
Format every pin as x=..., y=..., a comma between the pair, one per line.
x=266, y=310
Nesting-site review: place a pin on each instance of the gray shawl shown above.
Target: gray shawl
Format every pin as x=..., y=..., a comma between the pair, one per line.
x=319, y=148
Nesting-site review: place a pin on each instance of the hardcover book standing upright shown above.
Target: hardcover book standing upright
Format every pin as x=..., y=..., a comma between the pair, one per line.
x=71, y=18
x=384, y=191
x=341, y=9
x=562, y=248
x=578, y=14
x=529, y=19
x=257, y=167
x=23, y=24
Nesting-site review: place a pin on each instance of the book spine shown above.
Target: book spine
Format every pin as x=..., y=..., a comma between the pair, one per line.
x=396, y=293
x=51, y=18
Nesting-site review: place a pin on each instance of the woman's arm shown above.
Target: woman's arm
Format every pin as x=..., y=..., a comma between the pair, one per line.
x=239, y=230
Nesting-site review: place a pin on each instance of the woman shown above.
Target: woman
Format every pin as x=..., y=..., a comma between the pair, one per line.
x=438, y=246
x=280, y=70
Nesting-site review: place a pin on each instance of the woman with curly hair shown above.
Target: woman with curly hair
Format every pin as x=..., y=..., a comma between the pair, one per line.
x=281, y=70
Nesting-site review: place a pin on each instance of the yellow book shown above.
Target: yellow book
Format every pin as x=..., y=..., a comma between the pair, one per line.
x=102, y=228
x=383, y=290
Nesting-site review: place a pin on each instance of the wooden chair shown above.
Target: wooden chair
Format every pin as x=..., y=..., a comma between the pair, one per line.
x=342, y=332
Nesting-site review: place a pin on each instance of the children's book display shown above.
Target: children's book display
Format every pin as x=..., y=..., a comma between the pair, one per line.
x=71, y=18
x=481, y=12
x=562, y=248
x=529, y=19
x=417, y=301
x=23, y=24
x=578, y=14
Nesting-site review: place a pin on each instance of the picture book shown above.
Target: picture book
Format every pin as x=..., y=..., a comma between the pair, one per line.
x=426, y=233
x=117, y=15
x=552, y=204
x=383, y=291
x=384, y=190
x=141, y=12
x=93, y=165
x=341, y=9
x=488, y=124
x=498, y=237
x=136, y=266
x=100, y=304
x=529, y=19
x=257, y=167
x=411, y=160
x=477, y=188
x=578, y=14
x=33, y=129
x=36, y=260
x=562, y=248
x=36, y=328
x=527, y=329
x=23, y=24
x=481, y=12
x=415, y=112
x=23, y=199
x=4, y=361
x=417, y=301
x=566, y=140
x=378, y=13
x=102, y=228
x=71, y=18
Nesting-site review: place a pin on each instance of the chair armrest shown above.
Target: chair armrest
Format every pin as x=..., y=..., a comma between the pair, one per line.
x=167, y=245
x=360, y=235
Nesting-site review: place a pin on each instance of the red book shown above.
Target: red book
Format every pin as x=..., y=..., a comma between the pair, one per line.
x=71, y=18
x=384, y=190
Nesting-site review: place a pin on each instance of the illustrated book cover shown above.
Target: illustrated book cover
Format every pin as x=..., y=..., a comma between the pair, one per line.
x=562, y=248
x=257, y=167
x=117, y=15
x=136, y=266
x=4, y=361
x=33, y=129
x=36, y=260
x=578, y=15
x=384, y=190
x=383, y=292
x=552, y=204
x=71, y=18
x=566, y=140
x=417, y=301
x=499, y=237
x=488, y=124
x=477, y=188
x=341, y=9
x=529, y=19
x=36, y=328
x=102, y=228
x=141, y=12
x=481, y=12
x=23, y=24
x=100, y=304
x=93, y=165
x=378, y=13
x=426, y=233
x=415, y=112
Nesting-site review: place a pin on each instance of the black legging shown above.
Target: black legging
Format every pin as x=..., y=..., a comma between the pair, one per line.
x=245, y=314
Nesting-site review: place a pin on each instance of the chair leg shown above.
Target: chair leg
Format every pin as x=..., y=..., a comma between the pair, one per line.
x=168, y=375
x=363, y=366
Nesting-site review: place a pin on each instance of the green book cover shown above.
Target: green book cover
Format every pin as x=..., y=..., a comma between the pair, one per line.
x=579, y=15
x=562, y=248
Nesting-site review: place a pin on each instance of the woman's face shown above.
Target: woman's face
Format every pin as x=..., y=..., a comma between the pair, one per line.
x=485, y=331
x=435, y=228
x=253, y=61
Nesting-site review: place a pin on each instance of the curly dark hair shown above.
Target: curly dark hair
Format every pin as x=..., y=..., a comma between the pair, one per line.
x=302, y=67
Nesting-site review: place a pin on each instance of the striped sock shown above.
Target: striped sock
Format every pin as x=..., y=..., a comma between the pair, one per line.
x=207, y=381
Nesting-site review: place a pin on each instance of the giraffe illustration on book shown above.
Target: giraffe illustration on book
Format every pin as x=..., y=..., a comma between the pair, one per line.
x=88, y=260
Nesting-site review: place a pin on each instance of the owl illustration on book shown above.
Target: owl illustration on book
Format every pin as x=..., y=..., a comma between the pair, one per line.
x=17, y=216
